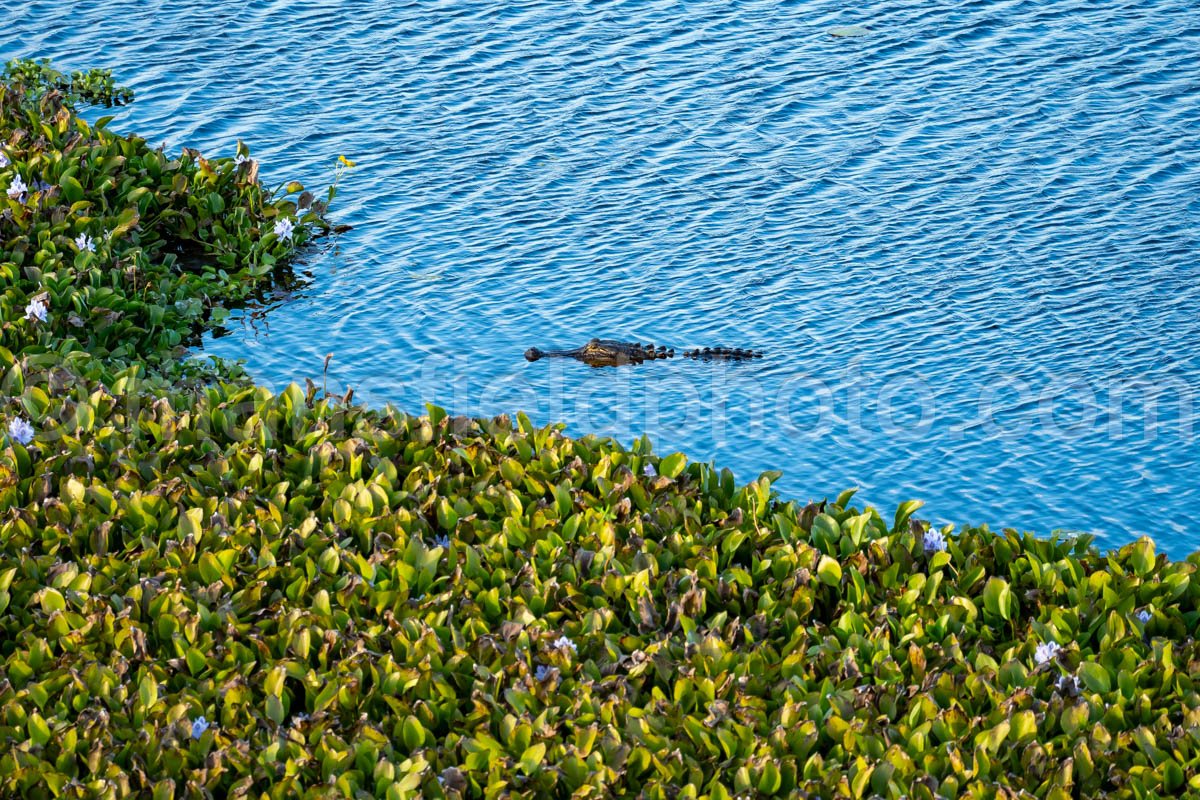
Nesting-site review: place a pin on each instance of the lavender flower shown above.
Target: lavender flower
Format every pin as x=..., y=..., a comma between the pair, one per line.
x=4, y=162
x=1045, y=652
x=441, y=541
x=199, y=726
x=240, y=159
x=19, y=430
x=649, y=471
x=37, y=310
x=935, y=541
x=1143, y=616
x=543, y=673
x=85, y=242
x=563, y=643
x=284, y=228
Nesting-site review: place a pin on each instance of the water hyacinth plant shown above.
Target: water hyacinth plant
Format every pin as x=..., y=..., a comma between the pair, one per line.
x=20, y=431
x=208, y=589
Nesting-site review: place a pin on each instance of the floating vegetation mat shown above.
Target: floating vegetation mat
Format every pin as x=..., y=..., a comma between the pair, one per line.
x=210, y=590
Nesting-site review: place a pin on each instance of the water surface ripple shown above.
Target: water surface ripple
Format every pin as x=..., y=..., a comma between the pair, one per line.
x=966, y=241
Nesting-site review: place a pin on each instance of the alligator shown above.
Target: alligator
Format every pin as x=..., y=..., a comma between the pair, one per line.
x=612, y=353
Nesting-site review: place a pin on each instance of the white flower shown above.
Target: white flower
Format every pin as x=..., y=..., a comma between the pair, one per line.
x=649, y=471
x=20, y=431
x=37, y=309
x=935, y=541
x=284, y=228
x=1067, y=684
x=1045, y=652
x=85, y=242
x=199, y=726
x=17, y=187
x=1143, y=616
x=4, y=162
x=563, y=643
x=240, y=159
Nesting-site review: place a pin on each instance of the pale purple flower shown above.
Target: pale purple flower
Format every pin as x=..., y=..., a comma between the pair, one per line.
x=543, y=673
x=935, y=541
x=1143, y=616
x=85, y=242
x=441, y=541
x=37, y=310
x=199, y=726
x=563, y=643
x=1067, y=685
x=649, y=471
x=284, y=228
x=4, y=162
x=1045, y=652
x=19, y=430
x=17, y=187
x=240, y=159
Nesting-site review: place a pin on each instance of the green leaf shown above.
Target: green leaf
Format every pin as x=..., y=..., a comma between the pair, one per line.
x=826, y=533
x=769, y=780
x=1141, y=556
x=210, y=568
x=52, y=600
x=531, y=760
x=1074, y=718
x=39, y=729
x=446, y=516
x=1095, y=677
x=436, y=413
x=72, y=190
x=829, y=571
x=997, y=598
x=275, y=711
x=672, y=465
x=191, y=523
x=196, y=661
x=148, y=691
x=906, y=510
x=125, y=222
x=413, y=733
x=1024, y=726
x=843, y=499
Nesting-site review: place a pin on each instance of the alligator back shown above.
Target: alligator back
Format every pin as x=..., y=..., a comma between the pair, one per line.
x=722, y=353
x=613, y=352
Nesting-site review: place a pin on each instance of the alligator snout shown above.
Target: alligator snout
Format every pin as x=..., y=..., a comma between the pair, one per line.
x=533, y=354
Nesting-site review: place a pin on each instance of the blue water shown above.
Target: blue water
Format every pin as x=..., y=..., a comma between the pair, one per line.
x=967, y=241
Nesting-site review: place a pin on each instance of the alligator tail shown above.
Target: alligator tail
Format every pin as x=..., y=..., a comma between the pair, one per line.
x=722, y=354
